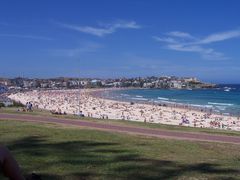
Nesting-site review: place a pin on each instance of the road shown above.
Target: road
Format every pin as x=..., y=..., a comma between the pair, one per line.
x=180, y=135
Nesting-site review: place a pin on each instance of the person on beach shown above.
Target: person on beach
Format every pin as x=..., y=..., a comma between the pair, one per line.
x=9, y=165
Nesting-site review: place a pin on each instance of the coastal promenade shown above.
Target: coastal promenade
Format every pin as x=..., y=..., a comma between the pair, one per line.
x=124, y=128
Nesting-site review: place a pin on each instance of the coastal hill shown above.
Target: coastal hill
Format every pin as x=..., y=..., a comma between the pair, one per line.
x=164, y=82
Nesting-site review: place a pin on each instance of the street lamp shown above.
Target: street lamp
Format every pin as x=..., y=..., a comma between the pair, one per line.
x=79, y=103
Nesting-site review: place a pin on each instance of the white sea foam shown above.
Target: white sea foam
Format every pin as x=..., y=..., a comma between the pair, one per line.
x=201, y=106
x=140, y=98
x=221, y=104
x=163, y=101
x=197, y=105
x=227, y=114
x=162, y=98
x=222, y=108
x=124, y=94
x=208, y=106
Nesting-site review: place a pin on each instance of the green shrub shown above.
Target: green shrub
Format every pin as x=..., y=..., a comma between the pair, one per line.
x=16, y=104
x=2, y=105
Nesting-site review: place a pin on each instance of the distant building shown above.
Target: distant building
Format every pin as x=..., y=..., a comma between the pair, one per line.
x=176, y=84
x=44, y=85
x=5, y=82
x=83, y=83
x=147, y=85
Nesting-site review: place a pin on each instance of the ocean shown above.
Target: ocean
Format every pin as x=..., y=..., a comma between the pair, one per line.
x=225, y=99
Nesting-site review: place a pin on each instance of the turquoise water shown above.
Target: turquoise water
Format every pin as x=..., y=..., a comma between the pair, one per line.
x=225, y=99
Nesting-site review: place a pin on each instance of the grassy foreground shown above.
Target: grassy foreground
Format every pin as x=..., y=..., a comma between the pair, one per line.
x=57, y=152
x=39, y=112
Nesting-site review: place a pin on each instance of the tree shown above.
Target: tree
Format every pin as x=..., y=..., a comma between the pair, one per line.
x=2, y=105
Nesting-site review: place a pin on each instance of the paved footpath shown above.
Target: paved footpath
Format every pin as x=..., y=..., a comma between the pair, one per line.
x=125, y=129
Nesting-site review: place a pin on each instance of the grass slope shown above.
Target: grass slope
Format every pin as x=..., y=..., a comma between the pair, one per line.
x=67, y=153
x=127, y=123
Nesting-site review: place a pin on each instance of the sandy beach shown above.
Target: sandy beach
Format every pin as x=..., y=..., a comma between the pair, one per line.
x=93, y=106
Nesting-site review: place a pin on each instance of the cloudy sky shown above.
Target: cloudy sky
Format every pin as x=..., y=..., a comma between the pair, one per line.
x=122, y=38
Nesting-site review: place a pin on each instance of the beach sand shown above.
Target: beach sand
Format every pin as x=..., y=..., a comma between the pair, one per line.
x=97, y=107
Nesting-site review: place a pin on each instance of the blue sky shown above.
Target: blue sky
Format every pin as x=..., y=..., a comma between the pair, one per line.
x=126, y=38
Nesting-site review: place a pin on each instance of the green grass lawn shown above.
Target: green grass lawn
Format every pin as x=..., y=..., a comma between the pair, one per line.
x=128, y=123
x=57, y=152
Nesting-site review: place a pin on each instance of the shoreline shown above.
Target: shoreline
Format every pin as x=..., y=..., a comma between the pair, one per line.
x=199, y=108
x=94, y=106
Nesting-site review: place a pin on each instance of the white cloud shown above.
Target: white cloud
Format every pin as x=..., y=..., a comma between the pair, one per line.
x=182, y=47
x=206, y=53
x=90, y=30
x=103, y=29
x=25, y=36
x=76, y=52
x=167, y=40
x=180, y=34
x=220, y=37
x=182, y=41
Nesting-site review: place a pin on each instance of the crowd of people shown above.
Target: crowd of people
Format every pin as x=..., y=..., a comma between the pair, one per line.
x=70, y=102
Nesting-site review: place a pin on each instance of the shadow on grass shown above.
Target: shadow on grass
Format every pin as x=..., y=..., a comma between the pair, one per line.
x=101, y=160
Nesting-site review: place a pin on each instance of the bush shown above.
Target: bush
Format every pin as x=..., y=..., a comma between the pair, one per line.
x=16, y=104
x=2, y=105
